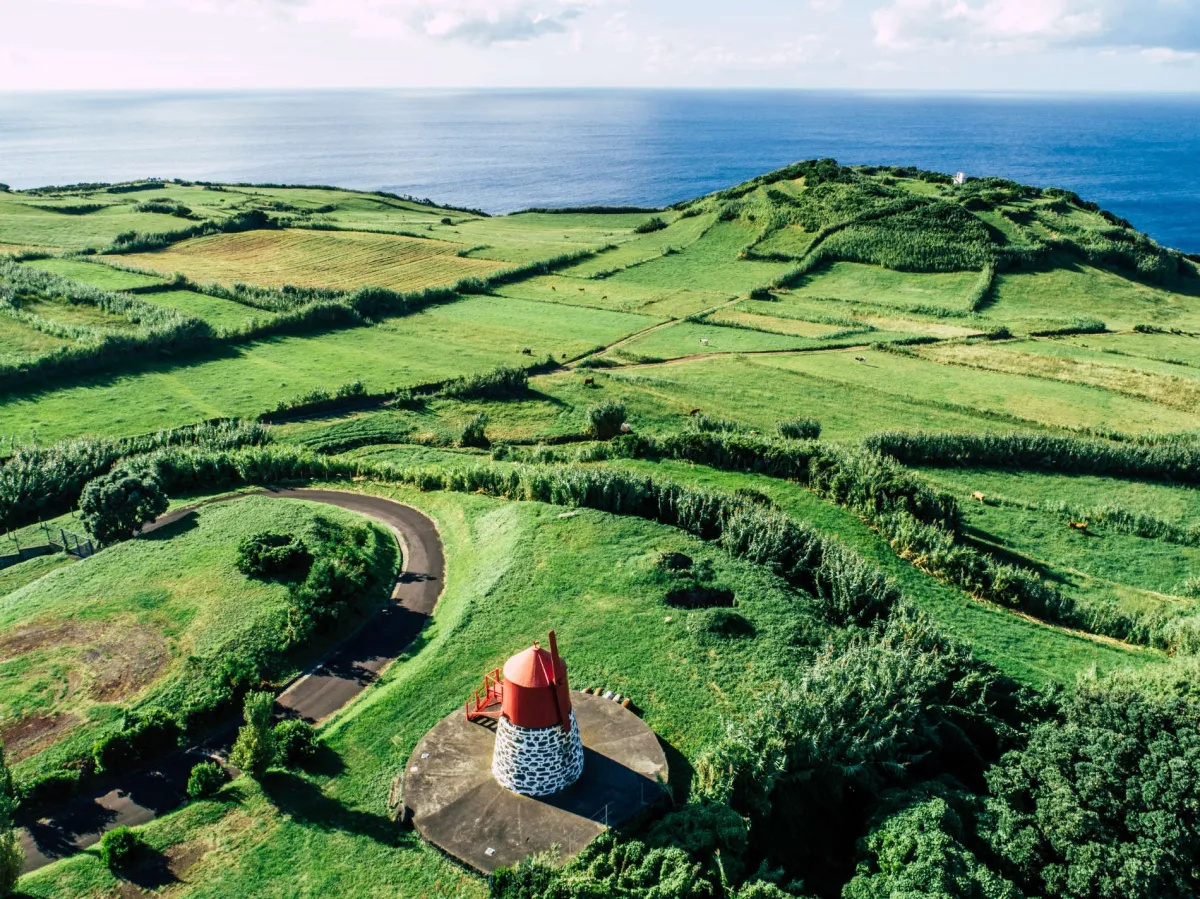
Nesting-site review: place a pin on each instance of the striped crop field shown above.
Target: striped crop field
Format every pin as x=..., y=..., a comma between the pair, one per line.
x=342, y=260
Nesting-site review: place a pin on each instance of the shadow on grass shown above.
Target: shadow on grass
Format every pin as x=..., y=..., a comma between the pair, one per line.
x=305, y=802
x=151, y=871
x=189, y=521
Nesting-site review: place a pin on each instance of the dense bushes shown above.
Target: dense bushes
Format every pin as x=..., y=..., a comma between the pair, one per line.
x=205, y=780
x=120, y=848
x=254, y=750
x=1168, y=461
x=140, y=736
x=269, y=556
x=885, y=709
x=604, y=420
x=652, y=224
x=40, y=482
x=799, y=429
x=1103, y=802
x=12, y=855
x=500, y=383
x=117, y=505
x=295, y=742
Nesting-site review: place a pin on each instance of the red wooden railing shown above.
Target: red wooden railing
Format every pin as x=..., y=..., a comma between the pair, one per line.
x=486, y=701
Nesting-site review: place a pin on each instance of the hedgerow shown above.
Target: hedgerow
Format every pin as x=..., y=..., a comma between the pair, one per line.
x=1167, y=461
x=39, y=482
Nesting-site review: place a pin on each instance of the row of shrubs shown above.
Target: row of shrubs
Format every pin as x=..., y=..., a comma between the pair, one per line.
x=39, y=482
x=1170, y=460
x=919, y=523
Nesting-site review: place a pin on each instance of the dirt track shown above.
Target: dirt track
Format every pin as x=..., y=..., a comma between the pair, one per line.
x=330, y=686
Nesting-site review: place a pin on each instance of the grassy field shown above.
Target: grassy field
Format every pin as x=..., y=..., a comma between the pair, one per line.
x=81, y=641
x=103, y=276
x=507, y=572
x=1035, y=400
x=138, y=624
x=432, y=346
x=880, y=286
x=334, y=259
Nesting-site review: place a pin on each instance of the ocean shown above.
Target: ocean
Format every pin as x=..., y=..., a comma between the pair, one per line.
x=502, y=150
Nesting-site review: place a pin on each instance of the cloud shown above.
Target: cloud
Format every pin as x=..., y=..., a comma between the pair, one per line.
x=486, y=26
x=1032, y=25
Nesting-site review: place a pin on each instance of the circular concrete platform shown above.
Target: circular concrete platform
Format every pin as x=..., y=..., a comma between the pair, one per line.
x=457, y=805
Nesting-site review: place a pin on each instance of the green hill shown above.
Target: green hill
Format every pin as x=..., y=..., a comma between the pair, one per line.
x=993, y=545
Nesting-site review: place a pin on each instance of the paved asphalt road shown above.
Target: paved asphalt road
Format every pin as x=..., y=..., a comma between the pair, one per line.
x=346, y=672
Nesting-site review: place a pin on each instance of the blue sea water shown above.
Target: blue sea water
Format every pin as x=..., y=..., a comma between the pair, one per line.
x=508, y=149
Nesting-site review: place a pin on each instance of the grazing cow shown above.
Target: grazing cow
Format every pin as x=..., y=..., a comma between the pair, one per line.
x=1078, y=525
x=694, y=412
x=977, y=495
x=589, y=382
x=626, y=428
x=704, y=341
x=859, y=359
x=580, y=290
x=555, y=289
x=605, y=297
x=528, y=351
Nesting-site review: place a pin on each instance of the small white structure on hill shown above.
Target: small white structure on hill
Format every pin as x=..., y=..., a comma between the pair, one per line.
x=960, y=178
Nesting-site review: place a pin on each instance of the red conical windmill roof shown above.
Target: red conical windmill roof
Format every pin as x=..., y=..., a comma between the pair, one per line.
x=536, y=693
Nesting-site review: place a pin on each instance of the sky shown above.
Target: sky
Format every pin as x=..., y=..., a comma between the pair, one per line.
x=945, y=45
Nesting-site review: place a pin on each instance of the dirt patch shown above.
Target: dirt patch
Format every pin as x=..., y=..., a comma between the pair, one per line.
x=117, y=658
x=33, y=733
x=182, y=858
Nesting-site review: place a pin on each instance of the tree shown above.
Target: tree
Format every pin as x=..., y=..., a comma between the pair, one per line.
x=117, y=505
x=1104, y=801
x=918, y=851
x=120, y=846
x=254, y=750
x=12, y=856
x=204, y=781
x=605, y=419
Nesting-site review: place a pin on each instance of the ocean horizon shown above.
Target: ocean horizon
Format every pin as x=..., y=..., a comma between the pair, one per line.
x=506, y=149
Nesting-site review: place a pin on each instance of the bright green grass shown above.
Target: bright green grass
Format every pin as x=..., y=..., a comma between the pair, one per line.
x=119, y=627
x=1173, y=348
x=1026, y=650
x=1035, y=400
x=607, y=294
x=514, y=324
x=16, y=576
x=684, y=339
x=681, y=233
x=1113, y=559
x=18, y=341
x=1073, y=289
x=659, y=398
x=64, y=312
x=473, y=335
x=1174, y=503
x=791, y=240
x=102, y=276
x=223, y=315
x=514, y=571
x=22, y=223
x=882, y=287
x=529, y=236
x=711, y=263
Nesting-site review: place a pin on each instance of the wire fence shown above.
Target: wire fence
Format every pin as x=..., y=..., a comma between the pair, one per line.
x=13, y=550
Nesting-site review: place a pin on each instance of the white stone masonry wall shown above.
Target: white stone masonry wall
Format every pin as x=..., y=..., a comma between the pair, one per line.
x=537, y=762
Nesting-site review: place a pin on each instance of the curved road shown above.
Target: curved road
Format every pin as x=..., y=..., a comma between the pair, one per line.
x=314, y=696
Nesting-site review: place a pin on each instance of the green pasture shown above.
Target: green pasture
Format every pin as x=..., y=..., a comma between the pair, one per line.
x=1027, y=650
x=473, y=335
x=508, y=581
x=20, y=341
x=686, y=339
x=1176, y=503
x=710, y=263
x=744, y=389
x=225, y=316
x=527, y=237
x=22, y=222
x=1158, y=382
x=873, y=284
x=1072, y=289
x=144, y=622
x=1024, y=398
x=606, y=294
x=1177, y=349
x=103, y=276
x=61, y=311
x=679, y=234
x=791, y=240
